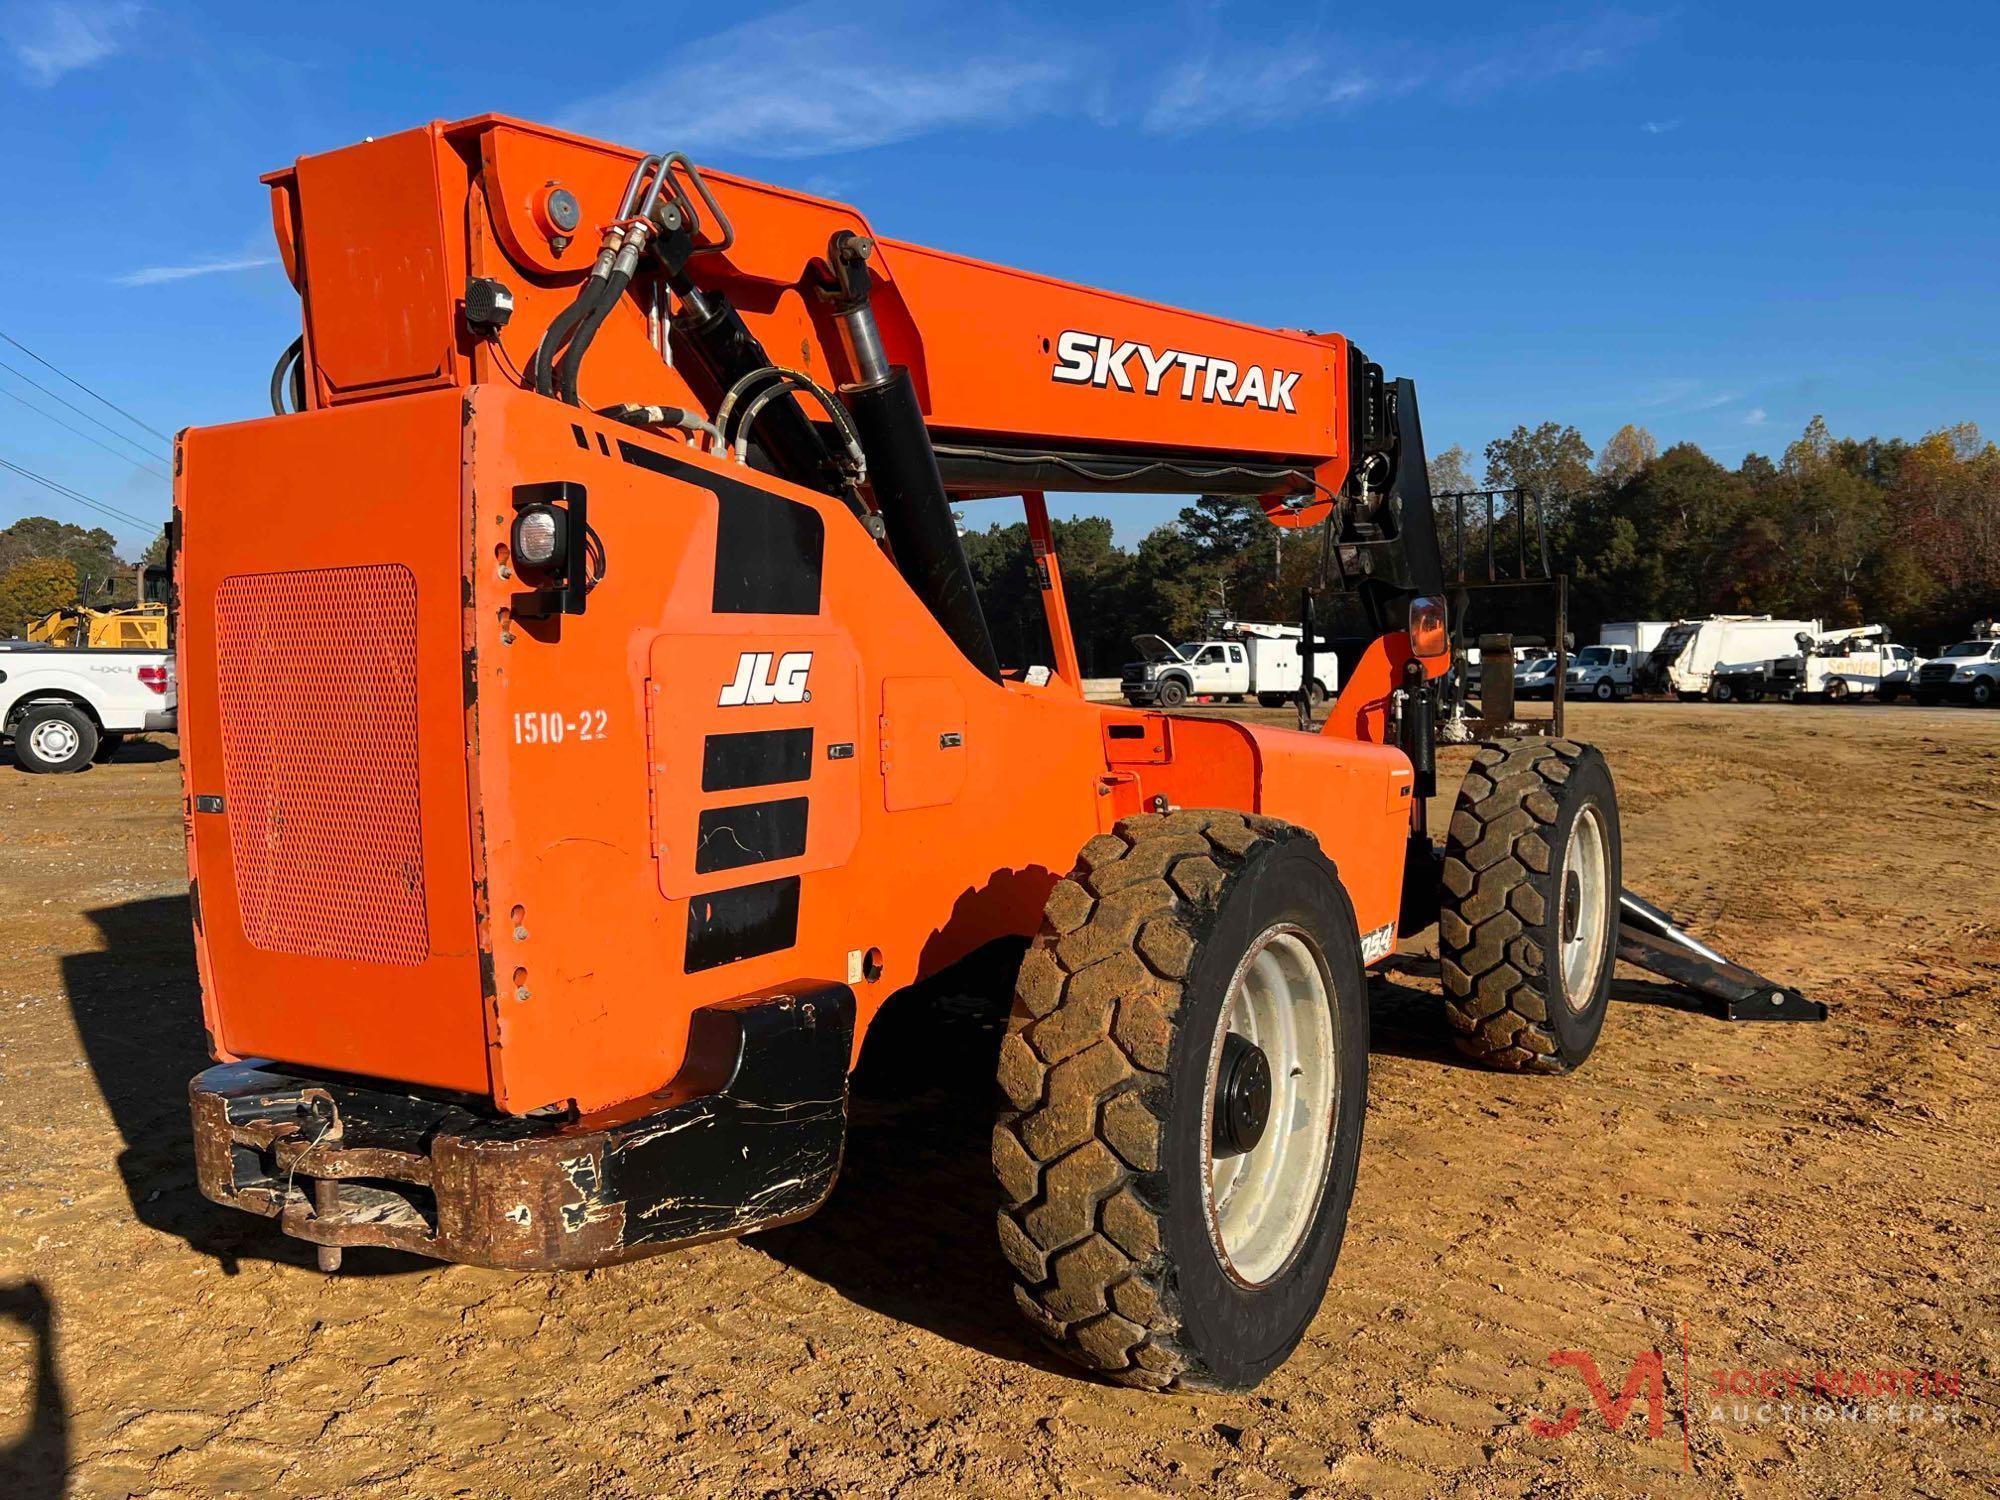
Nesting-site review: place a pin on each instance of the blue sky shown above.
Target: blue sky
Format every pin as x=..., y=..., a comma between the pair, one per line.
x=1715, y=220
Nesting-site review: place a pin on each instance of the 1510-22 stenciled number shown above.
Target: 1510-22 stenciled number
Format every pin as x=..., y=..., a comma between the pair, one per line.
x=537, y=727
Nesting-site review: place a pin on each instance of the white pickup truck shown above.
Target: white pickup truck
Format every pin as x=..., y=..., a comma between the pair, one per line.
x=65, y=706
x=1248, y=658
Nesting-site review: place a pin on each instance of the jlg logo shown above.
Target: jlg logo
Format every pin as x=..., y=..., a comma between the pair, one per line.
x=757, y=681
x=1094, y=359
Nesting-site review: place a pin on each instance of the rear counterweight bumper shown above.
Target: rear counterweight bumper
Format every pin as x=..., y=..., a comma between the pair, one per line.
x=748, y=1136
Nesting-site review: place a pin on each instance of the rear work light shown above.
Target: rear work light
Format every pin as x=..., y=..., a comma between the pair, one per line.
x=1429, y=636
x=154, y=678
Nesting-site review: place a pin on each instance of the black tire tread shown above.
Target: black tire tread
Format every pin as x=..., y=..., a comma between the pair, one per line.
x=1083, y=1071
x=1490, y=961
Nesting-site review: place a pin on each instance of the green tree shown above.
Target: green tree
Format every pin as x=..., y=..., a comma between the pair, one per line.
x=1551, y=461
x=30, y=589
x=91, y=551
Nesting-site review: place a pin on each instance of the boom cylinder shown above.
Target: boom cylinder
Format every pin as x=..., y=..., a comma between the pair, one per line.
x=909, y=493
x=725, y=350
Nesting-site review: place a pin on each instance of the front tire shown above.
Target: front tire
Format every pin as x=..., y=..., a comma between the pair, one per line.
x=1172, y=693
x=1604, y=692
x=1528, y=928
x=1982, y=693
x=54, y=737
x=1721, y=691
x=1836, y=690
x=1165, y=1228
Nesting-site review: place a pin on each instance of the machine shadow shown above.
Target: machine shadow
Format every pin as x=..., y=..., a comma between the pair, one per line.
x=1407, y=1020
x=909, y=1229
x=137, y=1007
x=35, y=1465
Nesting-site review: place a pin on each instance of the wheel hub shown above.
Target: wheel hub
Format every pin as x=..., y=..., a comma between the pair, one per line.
x=1270, y=1101
x=1242, y=1098
x=1585, y=906
x=54, y=740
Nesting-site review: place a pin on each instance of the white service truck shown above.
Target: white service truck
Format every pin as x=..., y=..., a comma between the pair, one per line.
x=65, y=706
x=1692, y=652
x=1245, y=658
x=1965, y=672
x=1838, y=666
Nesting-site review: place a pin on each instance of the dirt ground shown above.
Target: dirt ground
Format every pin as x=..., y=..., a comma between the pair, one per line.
x=1737, y=1198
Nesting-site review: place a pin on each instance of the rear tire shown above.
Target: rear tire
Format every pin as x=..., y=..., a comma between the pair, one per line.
x=54, y=737
x=1273, y=700
x=1135, y=1250
x=1528, y=928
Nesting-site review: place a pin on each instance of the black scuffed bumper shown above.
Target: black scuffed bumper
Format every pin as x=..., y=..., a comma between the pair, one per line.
x=749, y=1136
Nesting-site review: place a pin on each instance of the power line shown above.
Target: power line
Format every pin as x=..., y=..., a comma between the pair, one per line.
x=129, y=442
x=66, y=427
x=86, y=389
x=76, y=495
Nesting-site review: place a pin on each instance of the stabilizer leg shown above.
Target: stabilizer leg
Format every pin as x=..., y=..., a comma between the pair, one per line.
x=1648, y=938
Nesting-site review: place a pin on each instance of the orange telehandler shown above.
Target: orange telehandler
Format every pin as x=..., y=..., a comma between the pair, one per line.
x=594, y=723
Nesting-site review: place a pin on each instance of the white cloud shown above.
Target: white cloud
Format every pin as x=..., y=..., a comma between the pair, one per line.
x=154, y=275
x=52, y=39
x=1659, y=127
x=799, y=84
x=1680, y=395
x=1258, y=86
x=1755, y=417
x=808, y=81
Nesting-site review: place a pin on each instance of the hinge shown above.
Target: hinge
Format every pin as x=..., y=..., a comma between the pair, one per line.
x=653, y=773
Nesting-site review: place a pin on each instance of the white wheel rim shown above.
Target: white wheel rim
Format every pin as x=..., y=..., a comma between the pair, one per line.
x=1260, y=1204
x=54, y=739
x=1581, y=909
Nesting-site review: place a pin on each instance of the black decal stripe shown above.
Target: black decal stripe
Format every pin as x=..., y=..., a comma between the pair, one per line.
x=725, y=927
x=769, y=551
x=760, y=757
x=752, y=833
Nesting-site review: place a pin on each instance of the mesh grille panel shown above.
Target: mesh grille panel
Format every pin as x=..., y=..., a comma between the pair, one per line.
x=318, y=677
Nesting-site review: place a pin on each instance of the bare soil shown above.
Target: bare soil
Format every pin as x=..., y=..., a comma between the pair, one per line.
x=1734, y=1197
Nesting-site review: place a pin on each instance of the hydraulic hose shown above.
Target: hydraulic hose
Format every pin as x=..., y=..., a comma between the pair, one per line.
x=542, y=366
x=607, y=297
x=722, y=352
x=294, y=356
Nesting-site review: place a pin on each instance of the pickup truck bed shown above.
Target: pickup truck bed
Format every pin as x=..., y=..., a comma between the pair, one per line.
x=61, y=705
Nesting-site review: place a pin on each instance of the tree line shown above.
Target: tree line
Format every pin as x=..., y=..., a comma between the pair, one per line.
x=1848, y=531
x=1845, y=530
